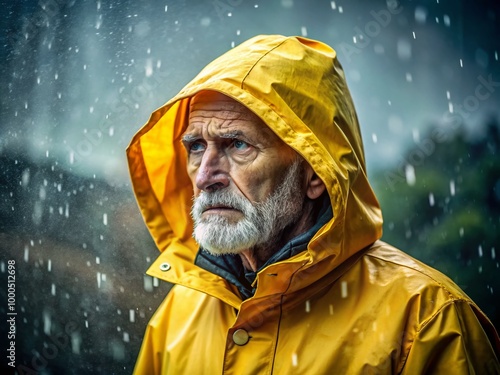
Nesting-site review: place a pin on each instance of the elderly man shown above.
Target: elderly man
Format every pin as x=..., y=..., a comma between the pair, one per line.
x=252, y=182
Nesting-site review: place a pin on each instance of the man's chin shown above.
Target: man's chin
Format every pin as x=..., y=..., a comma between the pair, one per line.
x=218, y=236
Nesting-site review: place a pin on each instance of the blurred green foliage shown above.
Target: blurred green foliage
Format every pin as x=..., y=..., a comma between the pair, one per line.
x=441, y=205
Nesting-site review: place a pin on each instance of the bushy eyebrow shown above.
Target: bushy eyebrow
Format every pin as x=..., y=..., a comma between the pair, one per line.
x=189, y=138
x=233, y=134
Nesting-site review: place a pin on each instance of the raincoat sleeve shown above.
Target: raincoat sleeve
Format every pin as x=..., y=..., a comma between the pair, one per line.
x=151, y=356
x=454, y=341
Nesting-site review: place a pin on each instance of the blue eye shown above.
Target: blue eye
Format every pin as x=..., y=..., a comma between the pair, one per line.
x=240, y=145
x=196, y=147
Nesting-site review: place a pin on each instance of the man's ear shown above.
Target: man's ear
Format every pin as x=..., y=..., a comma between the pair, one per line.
x=315, y=186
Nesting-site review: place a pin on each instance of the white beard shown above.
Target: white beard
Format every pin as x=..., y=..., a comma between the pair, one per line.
x=262, y=222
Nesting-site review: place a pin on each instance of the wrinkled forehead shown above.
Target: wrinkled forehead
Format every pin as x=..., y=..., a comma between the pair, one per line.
x=213, y=104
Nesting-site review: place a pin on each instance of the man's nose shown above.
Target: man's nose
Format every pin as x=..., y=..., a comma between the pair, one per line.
x=213, y=172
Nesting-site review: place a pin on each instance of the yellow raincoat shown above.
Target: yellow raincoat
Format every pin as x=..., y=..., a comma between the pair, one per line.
x=349, y=303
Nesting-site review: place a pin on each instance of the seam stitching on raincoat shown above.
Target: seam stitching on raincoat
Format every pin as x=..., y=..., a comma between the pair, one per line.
x=281, y=314
x=446, y=304
x=450, y=294
x=426, y=322
x=277, y=333
x=258, y=61
x=431, y=318
x=305, y=140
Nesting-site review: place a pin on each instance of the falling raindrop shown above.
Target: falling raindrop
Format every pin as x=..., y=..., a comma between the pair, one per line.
x=431, y=200
x=343, y=289
x=148, y=283
x=447, y=20
x=416, y=135
x=404, y=50
x=25, y=179
x=420, y=14
x=47, y=322
x=76, y=340
x=410, y=175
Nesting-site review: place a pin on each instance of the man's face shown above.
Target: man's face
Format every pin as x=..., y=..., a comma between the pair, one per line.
x=248, y=184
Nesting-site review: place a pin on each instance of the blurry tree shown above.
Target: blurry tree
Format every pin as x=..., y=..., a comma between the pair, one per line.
x=442, y=206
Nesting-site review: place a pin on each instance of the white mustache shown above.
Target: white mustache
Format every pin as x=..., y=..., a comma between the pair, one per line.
x=219, y=198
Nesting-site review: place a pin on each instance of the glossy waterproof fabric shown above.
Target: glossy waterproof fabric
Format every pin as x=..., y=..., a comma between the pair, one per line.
x=349, y=304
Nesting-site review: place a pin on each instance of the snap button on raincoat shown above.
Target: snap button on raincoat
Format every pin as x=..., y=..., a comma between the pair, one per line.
x=349, y=303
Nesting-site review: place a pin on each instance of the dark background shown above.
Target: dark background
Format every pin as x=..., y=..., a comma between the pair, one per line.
x=78, y=78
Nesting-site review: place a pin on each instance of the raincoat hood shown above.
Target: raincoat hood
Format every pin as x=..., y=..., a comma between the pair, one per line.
x=298, y=88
